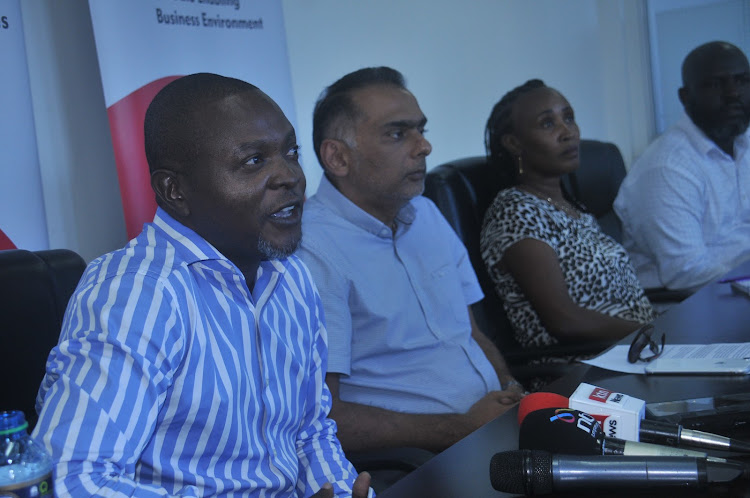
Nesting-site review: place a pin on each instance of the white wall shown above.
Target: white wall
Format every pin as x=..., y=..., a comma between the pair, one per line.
x=76, y=159
x=459, y=58
x=709, y=20
x=22, y=215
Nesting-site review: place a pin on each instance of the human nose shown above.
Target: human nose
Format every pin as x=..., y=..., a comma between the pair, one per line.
x=423, y=147
x=568, y=131
x=287, y=173
x=730, y=88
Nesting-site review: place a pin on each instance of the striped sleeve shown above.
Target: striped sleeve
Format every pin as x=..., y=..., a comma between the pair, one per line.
x=106, y=381
x=321, y=458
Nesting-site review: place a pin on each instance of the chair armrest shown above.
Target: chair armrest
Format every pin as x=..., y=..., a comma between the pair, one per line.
x=404, y=459
x=519, y=359
x=664, y=295
x=575, y=349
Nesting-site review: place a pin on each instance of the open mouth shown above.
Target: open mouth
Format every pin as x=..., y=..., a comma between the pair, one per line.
x=290, y=213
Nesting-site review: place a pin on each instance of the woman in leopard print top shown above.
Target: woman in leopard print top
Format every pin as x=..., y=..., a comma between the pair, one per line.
x=559, y=277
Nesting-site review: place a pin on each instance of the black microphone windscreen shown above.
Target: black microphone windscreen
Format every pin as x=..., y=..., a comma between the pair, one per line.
x=561, y=430
x=522, y=472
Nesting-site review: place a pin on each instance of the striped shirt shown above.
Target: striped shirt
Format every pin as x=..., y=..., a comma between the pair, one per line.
x=172, y=379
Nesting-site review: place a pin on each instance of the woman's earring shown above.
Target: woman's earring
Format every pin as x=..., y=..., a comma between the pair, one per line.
x=520, y=166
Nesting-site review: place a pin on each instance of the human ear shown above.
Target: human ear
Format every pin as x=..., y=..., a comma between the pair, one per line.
x=336, y=157
x=683, y=94
x=512, y=144
x=169, y=193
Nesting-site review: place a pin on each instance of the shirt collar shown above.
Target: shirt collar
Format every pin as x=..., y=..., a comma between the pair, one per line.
x=705, y=145
x=194, y=248
x=742, y=143
x=337, y=202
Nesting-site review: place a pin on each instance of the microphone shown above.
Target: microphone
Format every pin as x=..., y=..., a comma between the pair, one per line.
x=564, y=430
x=623, y=413
x=539, y=472
x=649, y=431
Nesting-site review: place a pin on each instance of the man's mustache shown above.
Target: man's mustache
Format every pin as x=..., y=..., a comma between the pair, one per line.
x=735, y=103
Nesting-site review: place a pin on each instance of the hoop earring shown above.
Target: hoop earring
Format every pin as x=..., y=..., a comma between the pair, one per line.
x=520, y=166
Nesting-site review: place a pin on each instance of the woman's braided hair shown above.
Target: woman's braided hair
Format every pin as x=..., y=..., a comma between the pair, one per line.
x=499, y=124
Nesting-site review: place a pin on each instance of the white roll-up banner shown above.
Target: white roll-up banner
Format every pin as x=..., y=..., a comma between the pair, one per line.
x=144, y=44
x=22, y=216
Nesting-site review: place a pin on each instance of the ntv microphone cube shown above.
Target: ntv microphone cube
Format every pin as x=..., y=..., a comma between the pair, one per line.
x=619, y=414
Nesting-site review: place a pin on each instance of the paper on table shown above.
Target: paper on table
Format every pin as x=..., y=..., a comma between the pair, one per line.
x=616, y=358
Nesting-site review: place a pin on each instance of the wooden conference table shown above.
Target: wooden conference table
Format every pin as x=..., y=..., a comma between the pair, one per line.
x=714, y=314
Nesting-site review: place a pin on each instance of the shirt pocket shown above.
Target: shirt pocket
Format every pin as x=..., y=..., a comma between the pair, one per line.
x=446, y=308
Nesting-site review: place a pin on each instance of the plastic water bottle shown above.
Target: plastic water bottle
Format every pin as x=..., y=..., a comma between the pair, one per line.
x=25, y=467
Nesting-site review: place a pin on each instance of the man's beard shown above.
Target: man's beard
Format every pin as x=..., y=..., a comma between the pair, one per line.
x=727, y=131
x=277, y=252
x=722, y=129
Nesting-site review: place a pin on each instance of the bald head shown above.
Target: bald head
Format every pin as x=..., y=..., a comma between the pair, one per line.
x=716, y=91
x=224, y=163
x=700, y=61
x=174, y=122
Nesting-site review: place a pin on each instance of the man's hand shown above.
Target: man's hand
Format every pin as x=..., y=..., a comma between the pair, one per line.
x=515, y=388
x=492, y=405
x=360, y=489
x=361, y=486
x=326, y=491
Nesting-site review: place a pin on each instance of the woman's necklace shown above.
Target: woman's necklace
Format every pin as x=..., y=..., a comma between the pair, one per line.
x=570, y=211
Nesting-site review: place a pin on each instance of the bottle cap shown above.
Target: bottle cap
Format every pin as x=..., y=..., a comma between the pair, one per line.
x=12, y=422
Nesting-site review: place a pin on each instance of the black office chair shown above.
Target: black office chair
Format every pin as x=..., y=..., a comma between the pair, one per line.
x=388, y=465
x=465, y=188
x=595, y=184
x=34, y=291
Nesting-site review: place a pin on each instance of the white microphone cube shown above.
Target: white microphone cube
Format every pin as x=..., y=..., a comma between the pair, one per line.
x=619, y=414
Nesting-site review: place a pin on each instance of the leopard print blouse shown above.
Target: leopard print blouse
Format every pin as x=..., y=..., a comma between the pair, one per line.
x=596, y=268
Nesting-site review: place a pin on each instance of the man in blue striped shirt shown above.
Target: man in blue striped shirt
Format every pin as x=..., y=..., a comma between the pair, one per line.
x=192, y=361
